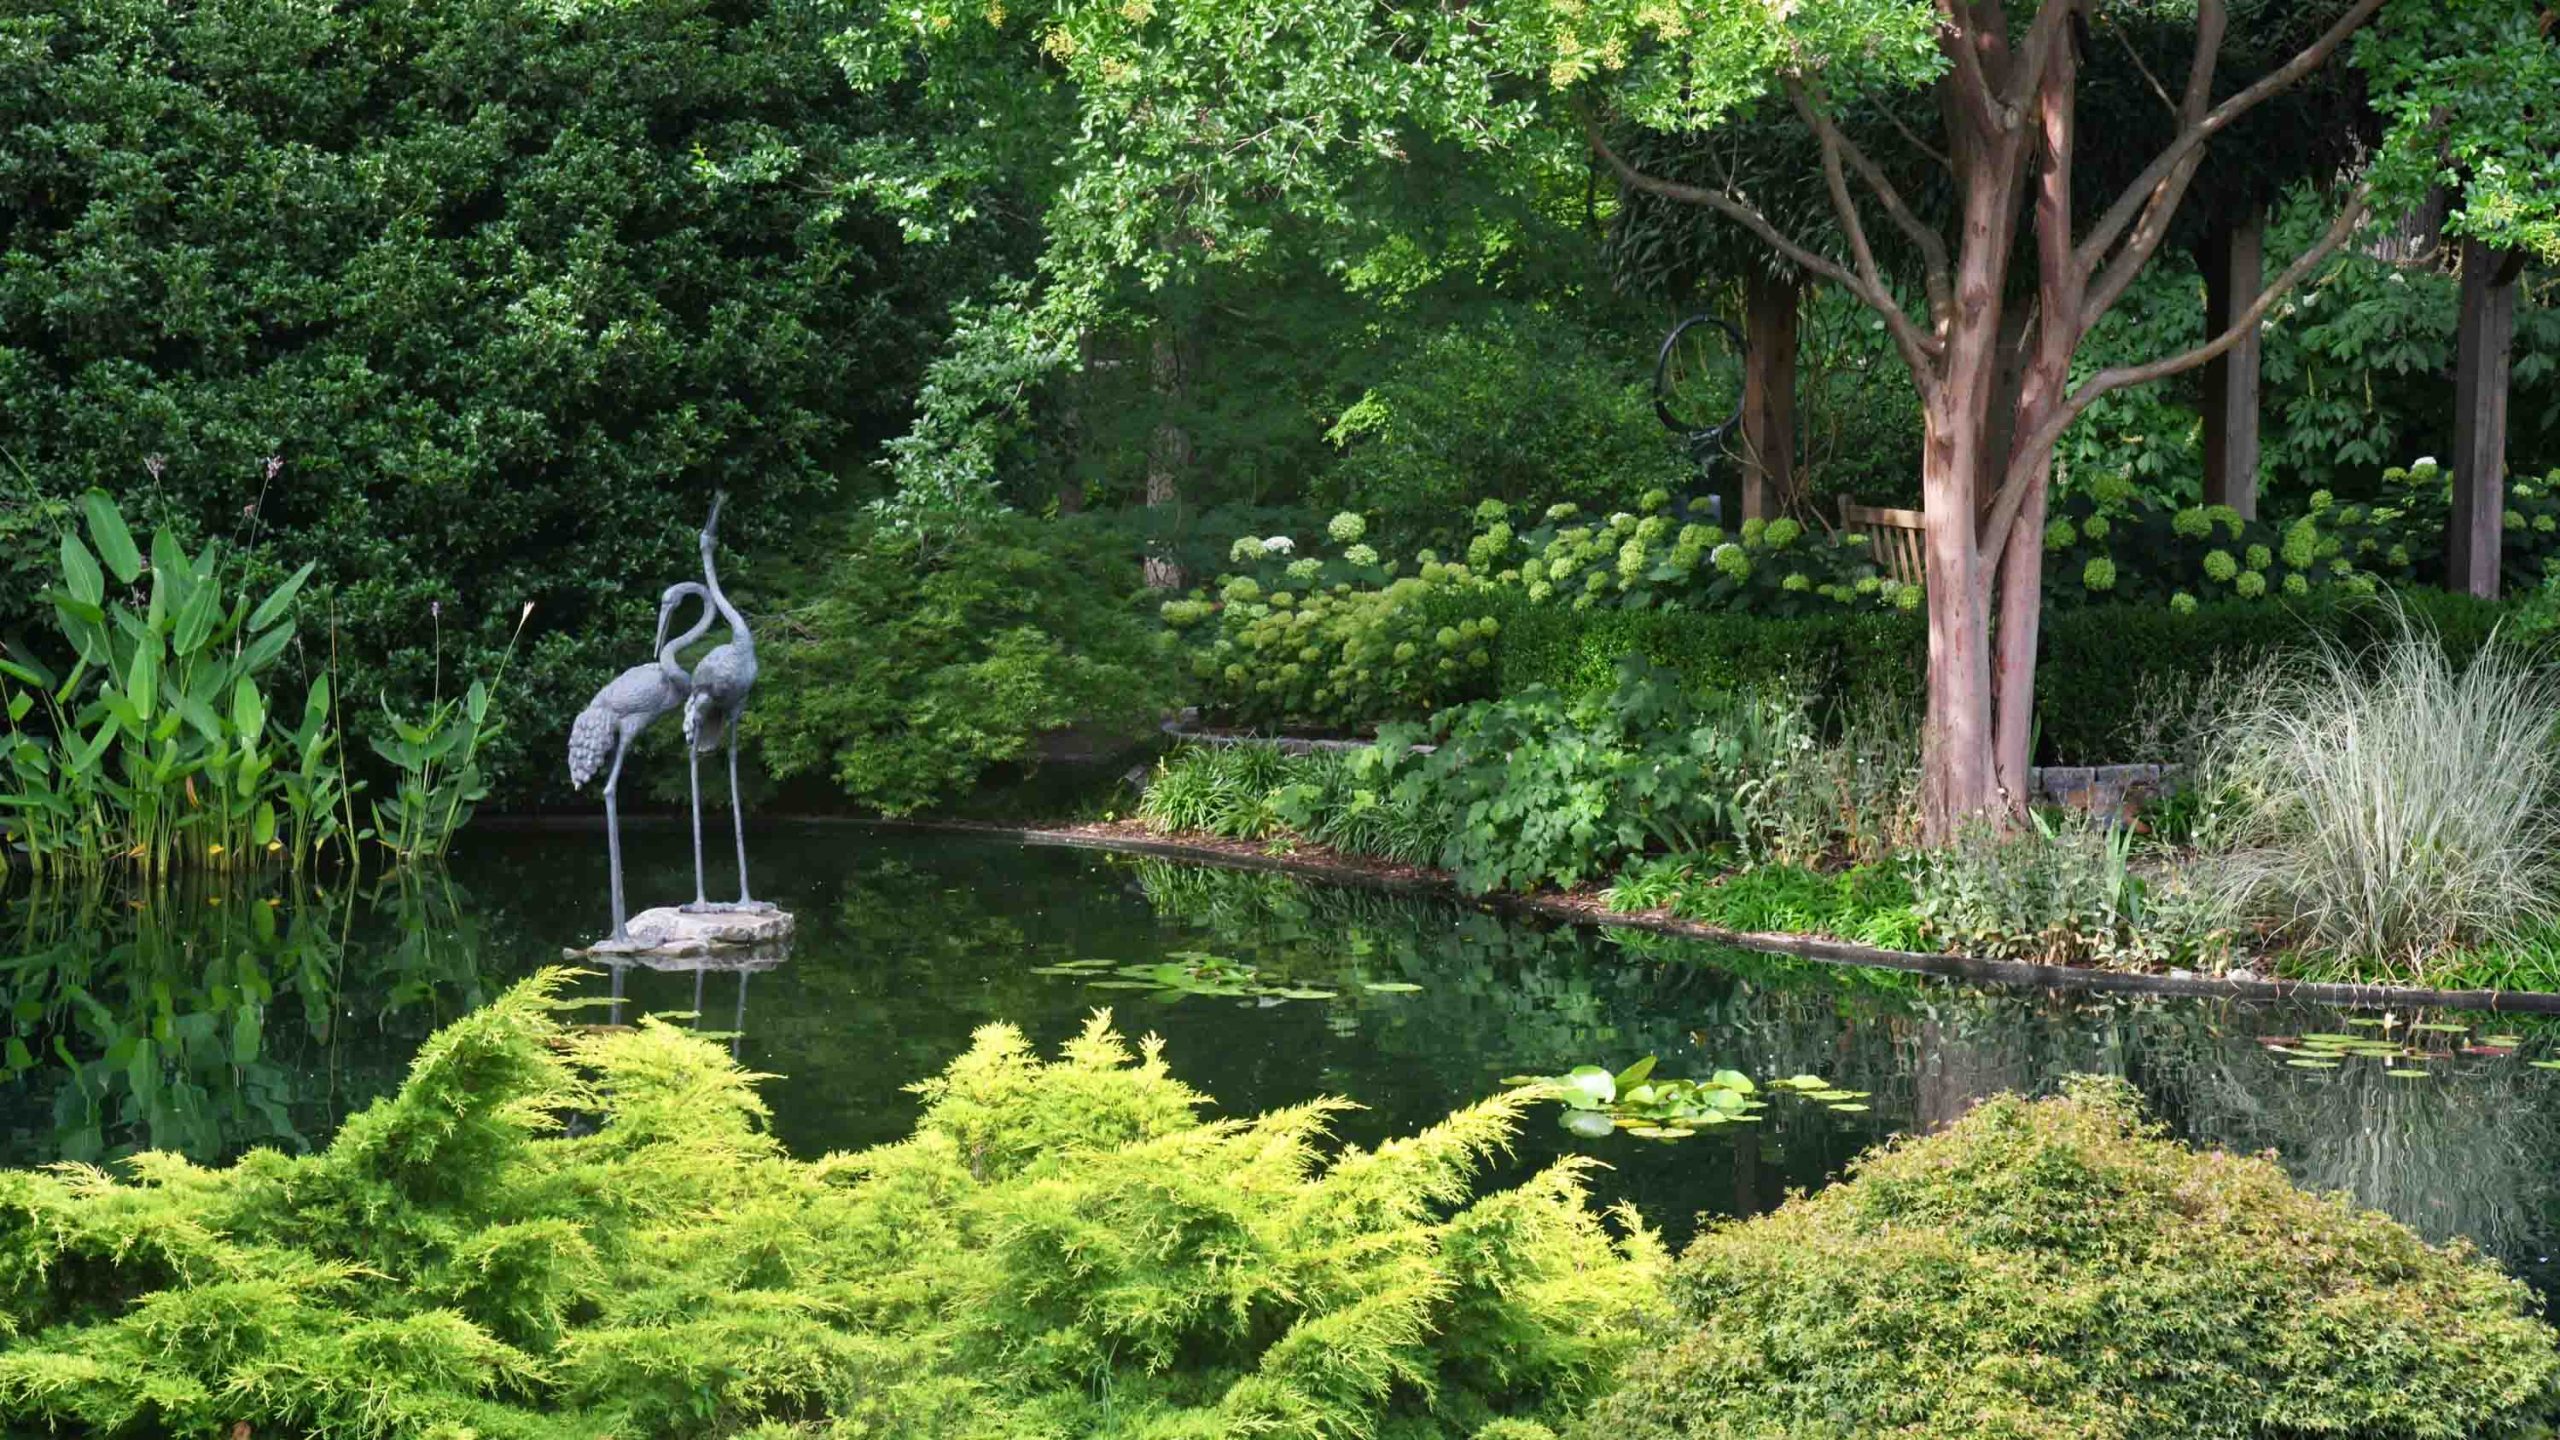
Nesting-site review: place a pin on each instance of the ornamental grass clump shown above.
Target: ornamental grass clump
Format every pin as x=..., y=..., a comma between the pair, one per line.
x=553, y=1231
x=2380, y=809
x=2059, y=1270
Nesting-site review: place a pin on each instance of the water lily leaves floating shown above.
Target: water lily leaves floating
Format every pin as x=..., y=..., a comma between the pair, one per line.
x=1589, y=1124
x=1390, y=987
x=2402, y=1059
x=1198, y=972
x=1638, y=1102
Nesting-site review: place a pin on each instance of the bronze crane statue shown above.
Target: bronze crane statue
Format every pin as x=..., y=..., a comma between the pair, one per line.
x=721, y=681
x=627, y=705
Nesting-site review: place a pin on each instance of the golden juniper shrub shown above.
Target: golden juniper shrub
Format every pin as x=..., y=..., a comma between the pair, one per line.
x=2060, y=1270
x=551, y=1233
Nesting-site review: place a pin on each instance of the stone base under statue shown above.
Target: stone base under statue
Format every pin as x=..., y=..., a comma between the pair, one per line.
x=666, y=932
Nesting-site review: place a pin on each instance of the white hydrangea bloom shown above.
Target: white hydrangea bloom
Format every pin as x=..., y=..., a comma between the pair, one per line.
x=1279, y=545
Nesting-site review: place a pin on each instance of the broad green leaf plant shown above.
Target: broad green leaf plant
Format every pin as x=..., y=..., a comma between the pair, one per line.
x=158, y=749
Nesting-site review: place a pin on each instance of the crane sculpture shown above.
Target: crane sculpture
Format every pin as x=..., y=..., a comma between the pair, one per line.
x=627, y=705
x=720, y=684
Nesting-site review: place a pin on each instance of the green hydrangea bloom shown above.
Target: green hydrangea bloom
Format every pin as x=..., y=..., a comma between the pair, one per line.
x=1346, y=528
x=2295, y=585
x=1867, y=584
x=1558, y=514
x=1596, y=580
x=2226, y=517
x=1796, y=580
x=1305, y=571
x=2192, y=523
x=1631, y=559
x=1363, y=555
x=2099, y=573
x=1732, y=560
x=2397, y=555
x=1753, y=529
x=2258, y=557
x=1448, y=637
x=1489, y=512
x=1241, y=590
x=1653, y=499
x=2095, y=527
x=1405, y=652
x=1541, y=592
x=2515, y=520
x=2545, y=523
x=2183, y=603
x=1907, y=598
x=2250, y=585
x=2059, y=535
x=2322, y=500
x=1781, y=533
x=2301, y=544
x=2219, y=566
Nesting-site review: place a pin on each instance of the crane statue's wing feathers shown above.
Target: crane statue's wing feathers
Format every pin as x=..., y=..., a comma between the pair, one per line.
x=590, y=741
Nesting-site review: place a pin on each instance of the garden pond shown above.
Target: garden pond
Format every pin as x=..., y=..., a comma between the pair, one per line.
x=211, y=1022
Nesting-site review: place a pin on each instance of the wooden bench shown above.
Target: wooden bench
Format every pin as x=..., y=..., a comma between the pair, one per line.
x=1894, y=535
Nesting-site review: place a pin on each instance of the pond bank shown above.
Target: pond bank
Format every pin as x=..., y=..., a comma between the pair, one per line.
x=1588, y=907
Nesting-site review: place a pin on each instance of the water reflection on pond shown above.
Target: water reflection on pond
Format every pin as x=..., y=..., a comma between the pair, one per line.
x=211, y=1023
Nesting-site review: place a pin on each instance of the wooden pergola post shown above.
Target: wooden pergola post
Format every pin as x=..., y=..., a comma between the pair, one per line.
x=1769, y=305
x=2481, y=352
x=2234, y=263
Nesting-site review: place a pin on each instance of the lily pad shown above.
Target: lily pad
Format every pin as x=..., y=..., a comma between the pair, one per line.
x=1390, y=987
x=1589, y=1124
x=2313, y=1064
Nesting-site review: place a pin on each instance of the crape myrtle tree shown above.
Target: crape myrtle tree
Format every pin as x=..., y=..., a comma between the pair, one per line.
x=1228, y=111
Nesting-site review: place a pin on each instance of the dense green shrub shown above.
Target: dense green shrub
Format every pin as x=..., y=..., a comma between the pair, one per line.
x=1295, y=637
x=2061, y=1271
x=2101, y=668
x=1538, y=789
x=914, y=663
x=411, y=288
x=1646, y=557
x=1062, y=1248
x=2063, y=892
x=2122, y=546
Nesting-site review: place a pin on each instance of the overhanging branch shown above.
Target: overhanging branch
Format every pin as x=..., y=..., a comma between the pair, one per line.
x=2028, y=452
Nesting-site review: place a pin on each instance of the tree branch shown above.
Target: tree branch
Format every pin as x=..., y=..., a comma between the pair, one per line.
x=1973, y=89
x=2043, y=34
x=2192, y=137
x=1725, y=204
x=2040, y=440
x=1936, y=278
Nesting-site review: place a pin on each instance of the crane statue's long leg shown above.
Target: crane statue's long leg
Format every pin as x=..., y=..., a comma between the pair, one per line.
x=693, y=778
x=613, y=832
x=738, y=819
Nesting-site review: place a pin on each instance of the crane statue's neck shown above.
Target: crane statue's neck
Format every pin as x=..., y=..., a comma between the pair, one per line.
x=669, y=649
x=739, y=635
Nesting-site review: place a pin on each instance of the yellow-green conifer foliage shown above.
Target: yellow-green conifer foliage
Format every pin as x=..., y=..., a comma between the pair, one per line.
x=556, y=1232
x=2060, y=1270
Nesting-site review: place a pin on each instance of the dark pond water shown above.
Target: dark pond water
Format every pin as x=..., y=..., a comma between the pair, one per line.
x=212, y=1024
